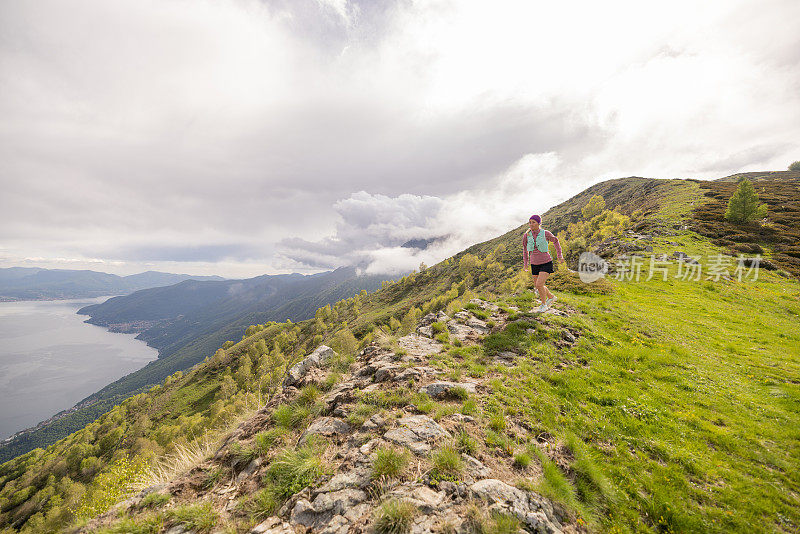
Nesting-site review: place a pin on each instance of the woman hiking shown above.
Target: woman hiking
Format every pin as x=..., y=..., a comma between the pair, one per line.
x=536, y=253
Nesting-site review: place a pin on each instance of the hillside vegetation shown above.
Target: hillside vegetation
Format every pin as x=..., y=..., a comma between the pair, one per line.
x=188, y=321
x=666, y=404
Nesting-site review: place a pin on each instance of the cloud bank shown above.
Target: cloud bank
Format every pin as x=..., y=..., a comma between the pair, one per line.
x=240, y=137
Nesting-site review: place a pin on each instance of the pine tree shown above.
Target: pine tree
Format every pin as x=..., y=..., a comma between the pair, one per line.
x=743, y=206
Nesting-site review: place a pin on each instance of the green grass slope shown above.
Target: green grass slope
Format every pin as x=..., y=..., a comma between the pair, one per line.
x=674, y=407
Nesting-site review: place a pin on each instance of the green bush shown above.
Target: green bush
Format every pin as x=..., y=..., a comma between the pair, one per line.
x=394, y=517
x=522, y=460
x=390, y=462
x=267, y=439
x=200, y=518
x=154, y=500
x=744, y=206
x=293, y=470
x=466, y=443
x=289, y=416
x=447, y=460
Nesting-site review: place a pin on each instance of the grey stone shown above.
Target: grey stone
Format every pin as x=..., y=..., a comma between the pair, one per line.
x=407, y=438
x=412, y=373
x=426, y=331
x=569, y=336
x=416, y=432
x=533, y=510
x=326, y=426
x=478, y=325
x=496, y=491
x=423, y=497
x=386, y=372
x=461, y=316
x=325, y=507
x=358, y=477
x=298, y=371
x=417, y=345
x=441, y=389
x=272, y=525
x=474, y=467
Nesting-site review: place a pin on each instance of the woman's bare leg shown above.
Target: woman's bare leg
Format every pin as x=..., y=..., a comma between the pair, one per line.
x=540, y=287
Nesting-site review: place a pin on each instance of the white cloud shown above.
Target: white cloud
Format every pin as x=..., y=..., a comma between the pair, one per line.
x=215, y=130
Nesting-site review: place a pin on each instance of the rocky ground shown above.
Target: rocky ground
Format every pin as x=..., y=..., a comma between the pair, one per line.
x=347, y=498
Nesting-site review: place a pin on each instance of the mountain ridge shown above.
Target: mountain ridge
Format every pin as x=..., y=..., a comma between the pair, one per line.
x=635, y=406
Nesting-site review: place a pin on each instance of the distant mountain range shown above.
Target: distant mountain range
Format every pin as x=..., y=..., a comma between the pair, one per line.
x=33, y=283
x=186, y=322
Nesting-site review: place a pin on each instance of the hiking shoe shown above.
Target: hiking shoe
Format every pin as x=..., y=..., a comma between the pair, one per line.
x=549, y=302
x=542, y=308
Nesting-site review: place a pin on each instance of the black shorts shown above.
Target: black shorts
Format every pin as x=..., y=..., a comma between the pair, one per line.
x=543, y=268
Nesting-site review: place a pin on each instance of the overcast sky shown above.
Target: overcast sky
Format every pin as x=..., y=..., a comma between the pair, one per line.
x=243, y=137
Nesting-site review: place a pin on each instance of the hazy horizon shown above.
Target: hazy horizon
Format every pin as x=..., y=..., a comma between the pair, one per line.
x=247, y=137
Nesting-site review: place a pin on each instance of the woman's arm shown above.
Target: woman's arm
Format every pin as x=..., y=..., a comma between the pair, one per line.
x=550, y=237
x=525, y=258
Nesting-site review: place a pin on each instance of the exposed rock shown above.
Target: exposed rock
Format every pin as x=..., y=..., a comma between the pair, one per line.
x=386, y=372
x=438, y=390
x=358, y=477
x=423, y=497
x=534, y=511
x=298, y=371
x=426, y=331
x=478, y=325
x=417, y=345
x=412, y=373
x=326, y=426
x=374, y=422
x=474, y=467
x=415, y=433
x=272, y=525
x=568, y=336
x=325, y=507
x=484, y=305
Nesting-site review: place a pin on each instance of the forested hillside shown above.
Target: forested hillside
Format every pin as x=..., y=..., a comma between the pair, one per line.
x=186, y=322
x=660, y=401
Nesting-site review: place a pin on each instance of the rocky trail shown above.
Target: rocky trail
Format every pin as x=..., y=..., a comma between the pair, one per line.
x=372, y=408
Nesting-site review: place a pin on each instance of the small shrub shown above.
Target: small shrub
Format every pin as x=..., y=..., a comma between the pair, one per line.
x=141, y=524
x=466, y=443
x=447, y=460
x=241, y=456
x=470, y=407
x=289, y=416
x=154, y=500
x=361, y=413
x=497, y=422
x=522, y=460
x=390, y=462
x=394, y=517
x=293, y=470
x=261, y=505
x=197, y=517
x=444, y=337
x=438, y=327
x=211, y=478
x=458, y=392
x=308, y=396
x=267, y=439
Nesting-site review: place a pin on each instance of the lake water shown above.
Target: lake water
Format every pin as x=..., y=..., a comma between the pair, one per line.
x=50, y=359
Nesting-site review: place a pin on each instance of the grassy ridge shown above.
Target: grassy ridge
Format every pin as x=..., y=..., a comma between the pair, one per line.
x=677, y=406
